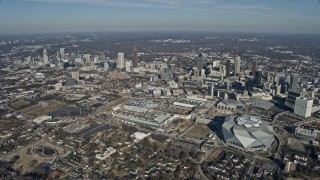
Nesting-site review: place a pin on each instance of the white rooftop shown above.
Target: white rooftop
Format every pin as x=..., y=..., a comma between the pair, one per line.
x=248, y=121
x=184, y=105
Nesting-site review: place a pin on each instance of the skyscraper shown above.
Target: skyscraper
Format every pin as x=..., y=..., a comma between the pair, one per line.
x=129, y=66
x=172, y=68
x=45, y=56
x=237, y=66
x=58, y=56
x=258, y=77
x=303, y=107
x=106, y=66
x=254, y=68
x=199, y=62
x=120, y=62
x=278, y=89
x=215, y=63
x=211, y=89
x=292, y=95
x=228, y=67
x=87, y=57
x=180, y=81
x=29, y=59
x=294, y=81
x=135, y=57
x=75, y=75
x=102, y=57
x=62, y=53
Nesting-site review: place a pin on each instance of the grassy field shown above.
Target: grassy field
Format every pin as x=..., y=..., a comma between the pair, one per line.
x=198, y=132
x=10, y=123
x=39, y=110
x=18, y=105
x=28, y=161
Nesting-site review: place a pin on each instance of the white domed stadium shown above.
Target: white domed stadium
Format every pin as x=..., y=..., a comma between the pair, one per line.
x=247, y=132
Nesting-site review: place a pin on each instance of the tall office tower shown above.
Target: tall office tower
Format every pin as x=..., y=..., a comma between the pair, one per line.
x=258, y=77
x=180, y=81
x=45, y=56
x=228, y=85
x=222, y=69
x=228, y=67
x=237, y=66
x=120, y=62
x=278, y=89
x=215, y=63
x=129, y=66
x=102, y=57
x=293, y=94
x=294, y=81
x=196, y=72
x=96, y=59
x=303, y=107
x=87, y=57
x=106, y=66
x=277, y=79
x=199, y=62
x=254, y=68
x=75, y=75
x=33, y=61
x=58, y=56
x=203, y=72
x=211, y=89
x=273, y=79
x=282, y=81
x=135, y=57
x=62, y=53
x=249, y=84
x=172, y=68
x=29, y=60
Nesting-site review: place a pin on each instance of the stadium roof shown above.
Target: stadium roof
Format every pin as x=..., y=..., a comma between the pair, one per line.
x=247, y=132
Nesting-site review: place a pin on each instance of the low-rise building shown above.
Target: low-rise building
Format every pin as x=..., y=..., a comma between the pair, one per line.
x=230, y=105
x=41, y=119
x=307, y=132
x=106, y=154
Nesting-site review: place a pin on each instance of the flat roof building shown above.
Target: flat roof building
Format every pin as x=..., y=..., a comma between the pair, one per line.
x=140, y=116
x=230, y=104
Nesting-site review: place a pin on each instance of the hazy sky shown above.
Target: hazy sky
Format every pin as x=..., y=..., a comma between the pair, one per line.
x=159, y=15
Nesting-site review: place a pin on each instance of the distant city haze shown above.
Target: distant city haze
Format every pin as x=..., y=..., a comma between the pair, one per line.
x=25, y=16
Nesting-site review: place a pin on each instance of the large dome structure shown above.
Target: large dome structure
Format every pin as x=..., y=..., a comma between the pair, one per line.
x=247, y=132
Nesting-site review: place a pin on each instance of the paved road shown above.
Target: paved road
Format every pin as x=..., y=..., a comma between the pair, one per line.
x=201, y=173
x=275, y=118
x=249, y=173
x=305, y=122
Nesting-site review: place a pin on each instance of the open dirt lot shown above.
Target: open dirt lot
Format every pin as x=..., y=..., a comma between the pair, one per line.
x=215, y=155
x=198, y=132
x=20, y=104
x=10, y=123
x=43, y=108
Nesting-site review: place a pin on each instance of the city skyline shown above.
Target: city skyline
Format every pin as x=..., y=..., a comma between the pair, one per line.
x=154, y=15
x=154, y=105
